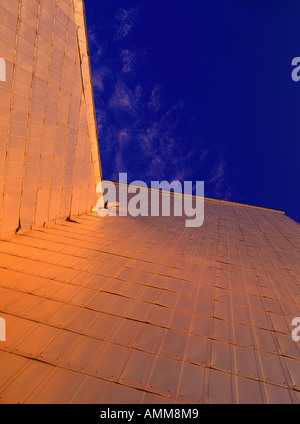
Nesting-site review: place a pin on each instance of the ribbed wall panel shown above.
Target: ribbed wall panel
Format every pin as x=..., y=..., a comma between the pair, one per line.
x=49, y=154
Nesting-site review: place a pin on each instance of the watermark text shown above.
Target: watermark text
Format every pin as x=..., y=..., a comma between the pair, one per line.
x=160, y=199
x=2, y=330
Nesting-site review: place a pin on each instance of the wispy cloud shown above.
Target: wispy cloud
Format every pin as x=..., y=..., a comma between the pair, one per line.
x=139, y=133
x=123, y=137
x=125, y=20
x=218, y=181
x=217, y=175
x=154, y=102
x=94, y=44
x=98, y=78
x=124, y=98
x=127, y=60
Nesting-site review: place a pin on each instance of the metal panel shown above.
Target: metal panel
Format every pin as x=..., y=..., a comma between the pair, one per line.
x=104, y=327
x=41, y=41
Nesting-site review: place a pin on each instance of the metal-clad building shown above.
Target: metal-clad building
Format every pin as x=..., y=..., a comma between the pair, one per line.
x=123, y=309
x=49, y=154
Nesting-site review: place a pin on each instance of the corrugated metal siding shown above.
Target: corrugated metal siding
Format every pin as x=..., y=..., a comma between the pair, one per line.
x=48, y=141
x=141, y=310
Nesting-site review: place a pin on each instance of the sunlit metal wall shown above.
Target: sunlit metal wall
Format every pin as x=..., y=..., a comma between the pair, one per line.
x=49, y=154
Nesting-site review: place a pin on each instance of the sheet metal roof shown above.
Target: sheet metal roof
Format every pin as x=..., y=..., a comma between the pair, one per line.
x=145, y=310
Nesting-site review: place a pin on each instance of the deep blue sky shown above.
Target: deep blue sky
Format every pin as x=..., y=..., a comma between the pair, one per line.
x=200, y=90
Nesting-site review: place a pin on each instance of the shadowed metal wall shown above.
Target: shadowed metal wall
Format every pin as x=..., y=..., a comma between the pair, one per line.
x=49, y=154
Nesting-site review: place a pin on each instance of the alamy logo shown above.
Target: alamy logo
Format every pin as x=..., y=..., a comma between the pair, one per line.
x=2, y=330
x=296, y=71
x=2, y=69
x=183, y=201
x=296, y=331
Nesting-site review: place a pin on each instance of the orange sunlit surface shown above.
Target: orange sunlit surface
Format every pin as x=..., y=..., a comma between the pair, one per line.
x=122, y=309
